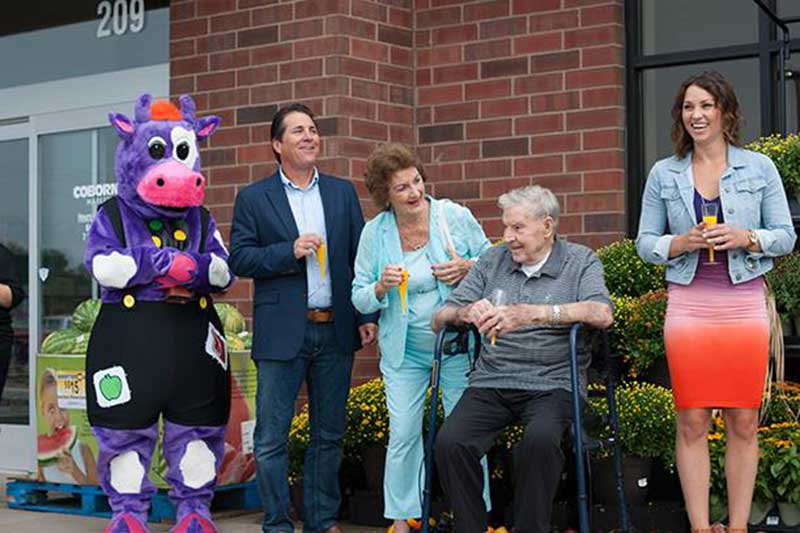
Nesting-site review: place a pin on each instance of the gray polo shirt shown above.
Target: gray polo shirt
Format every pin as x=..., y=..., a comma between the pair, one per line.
x=535, y=357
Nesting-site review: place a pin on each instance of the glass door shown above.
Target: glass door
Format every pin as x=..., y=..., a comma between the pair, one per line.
x=52, y=183
x=76, y=174
x=16, y=410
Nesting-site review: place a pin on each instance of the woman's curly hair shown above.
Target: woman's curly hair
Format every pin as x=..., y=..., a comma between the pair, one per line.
x=382, y=163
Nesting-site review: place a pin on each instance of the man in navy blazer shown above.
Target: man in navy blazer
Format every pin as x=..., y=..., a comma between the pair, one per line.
x=296, y=234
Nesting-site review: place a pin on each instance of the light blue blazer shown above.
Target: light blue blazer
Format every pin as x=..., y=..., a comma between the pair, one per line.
x=752, y=197
x=380, y=246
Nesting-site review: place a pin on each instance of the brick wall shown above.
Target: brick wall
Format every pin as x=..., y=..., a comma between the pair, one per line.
x=518, y=92
x=494, y=94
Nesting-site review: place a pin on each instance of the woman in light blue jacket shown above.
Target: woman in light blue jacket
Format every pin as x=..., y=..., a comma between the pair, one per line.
x=435, y=243
x=716, y=215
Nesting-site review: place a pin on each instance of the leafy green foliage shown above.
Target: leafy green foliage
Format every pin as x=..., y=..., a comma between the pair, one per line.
x=784, y=404
x=366, y=424
x=785, y=153
x=778, y=477
x=785, y=282
x=646, y=420
x=716, y=449
x=639, y=333
x=626, y=273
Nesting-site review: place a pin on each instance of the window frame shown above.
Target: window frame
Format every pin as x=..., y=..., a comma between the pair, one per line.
x=766, y=51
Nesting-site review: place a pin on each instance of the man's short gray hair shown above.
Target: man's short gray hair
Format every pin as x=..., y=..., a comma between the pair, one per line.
x=536, y=199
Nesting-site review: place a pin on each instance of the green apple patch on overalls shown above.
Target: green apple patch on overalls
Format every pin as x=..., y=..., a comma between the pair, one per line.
x=111, y=387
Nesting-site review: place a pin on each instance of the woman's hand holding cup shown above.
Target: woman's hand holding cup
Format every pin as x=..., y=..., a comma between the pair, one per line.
x=390, y=278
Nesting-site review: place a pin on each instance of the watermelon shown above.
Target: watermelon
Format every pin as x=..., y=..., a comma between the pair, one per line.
x=232, y=320
x=85, y=314
x=235, y=343
x=50, y=447
x=81, y=343
x=63, y=341
x=247, y=337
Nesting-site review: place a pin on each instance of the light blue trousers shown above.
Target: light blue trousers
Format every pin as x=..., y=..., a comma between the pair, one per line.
x=406, y=389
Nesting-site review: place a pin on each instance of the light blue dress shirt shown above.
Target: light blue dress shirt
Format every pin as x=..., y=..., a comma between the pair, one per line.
x=309, y=216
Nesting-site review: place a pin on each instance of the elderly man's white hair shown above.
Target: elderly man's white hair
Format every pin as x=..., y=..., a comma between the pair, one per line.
x=537, y=200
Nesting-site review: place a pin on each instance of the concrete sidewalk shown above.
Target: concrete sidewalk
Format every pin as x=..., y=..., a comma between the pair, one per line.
x=16, y=521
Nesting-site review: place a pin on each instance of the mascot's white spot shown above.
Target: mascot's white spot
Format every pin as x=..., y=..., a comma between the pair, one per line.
x=111, y=386
x=198, y=466
x=114, y=270
x=218, y=274
x=178, y=135
x=218, y=237
x=127, y=473
x=217, y=346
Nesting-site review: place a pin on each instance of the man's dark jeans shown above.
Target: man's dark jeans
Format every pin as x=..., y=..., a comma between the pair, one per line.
x=327, y=372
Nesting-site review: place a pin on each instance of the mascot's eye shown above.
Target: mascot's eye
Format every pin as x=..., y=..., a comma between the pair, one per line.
x=182, y=151
x=157, y=148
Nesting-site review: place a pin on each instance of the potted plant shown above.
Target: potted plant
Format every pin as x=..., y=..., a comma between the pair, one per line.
x=785, y=153
x=783, y=404
x=367, y=430
x=718, y=493
x=641, y=338
x=299, y=438
x=779, y=468
x=622, y=311
x=646, y=422
x=784, y=280
x=625, y=272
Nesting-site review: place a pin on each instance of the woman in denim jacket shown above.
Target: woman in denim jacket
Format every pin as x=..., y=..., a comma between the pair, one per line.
x=435, y=242
x=716, y=330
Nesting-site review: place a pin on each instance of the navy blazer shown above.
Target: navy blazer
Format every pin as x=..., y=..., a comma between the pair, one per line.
x=262, y=240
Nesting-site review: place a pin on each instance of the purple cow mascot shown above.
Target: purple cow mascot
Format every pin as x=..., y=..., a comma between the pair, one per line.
x=157, y=347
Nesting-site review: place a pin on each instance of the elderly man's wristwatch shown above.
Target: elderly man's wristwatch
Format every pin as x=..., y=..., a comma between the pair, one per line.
x=752, y=238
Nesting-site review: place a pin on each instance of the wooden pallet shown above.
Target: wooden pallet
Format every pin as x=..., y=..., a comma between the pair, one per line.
x=90, y=500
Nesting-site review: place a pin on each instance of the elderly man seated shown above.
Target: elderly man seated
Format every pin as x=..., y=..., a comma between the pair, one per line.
x=523, y=371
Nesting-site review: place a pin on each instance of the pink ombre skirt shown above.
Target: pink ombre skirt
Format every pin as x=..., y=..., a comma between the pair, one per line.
x=717, y=340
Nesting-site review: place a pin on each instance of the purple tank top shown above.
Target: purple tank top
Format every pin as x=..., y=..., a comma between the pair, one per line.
x=720, y=265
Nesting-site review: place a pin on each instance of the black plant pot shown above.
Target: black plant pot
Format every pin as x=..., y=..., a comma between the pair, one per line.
x=658, y=374
x=374, y=461
x=664, y=485
x=792, y=357
x=636, y=478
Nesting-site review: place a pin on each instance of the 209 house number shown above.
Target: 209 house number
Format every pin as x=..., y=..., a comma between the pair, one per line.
x=119, y=17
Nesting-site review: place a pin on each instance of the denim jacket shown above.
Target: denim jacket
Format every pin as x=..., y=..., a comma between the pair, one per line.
x=752, y=197
x=380, y=246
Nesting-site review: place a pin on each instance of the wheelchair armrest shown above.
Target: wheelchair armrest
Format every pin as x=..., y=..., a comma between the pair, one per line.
x=603, y=361
x=459, y=343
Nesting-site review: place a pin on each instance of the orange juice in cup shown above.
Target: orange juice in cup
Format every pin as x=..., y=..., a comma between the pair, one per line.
x=403, y=289
x=321, y=260
x=709, y=212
